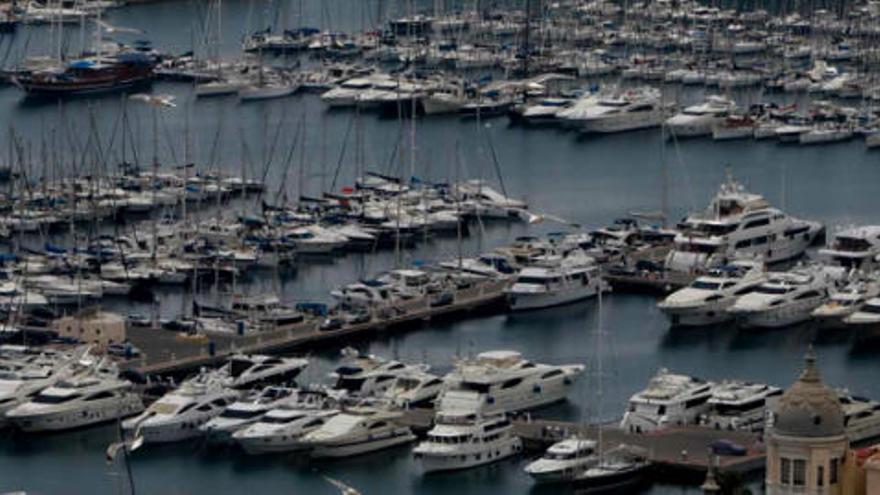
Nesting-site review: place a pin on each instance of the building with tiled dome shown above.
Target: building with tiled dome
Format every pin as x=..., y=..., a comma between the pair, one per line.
x=807, y=444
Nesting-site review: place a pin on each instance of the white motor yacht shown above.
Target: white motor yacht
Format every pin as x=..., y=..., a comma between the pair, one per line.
x=698, y=120
x=90, y=398
x=861, y=417
x=282, y=428
x=739, y=225
x=705, y=300
x=856, y=247
x=466, y=441
x=369, y=376
x=738, y=405
x=867, y=317
x=570, y=278
x=357, y=431
x=179, y=414
x=346, y=94
x=669, y=400
x=846, y=301
x=21, y=377
x=255, y=370
x=563, y=461
x=787, y=298
x=621, y=470
x=414, y=387
x=625, y=111
x=503, y=381
x=246, y=411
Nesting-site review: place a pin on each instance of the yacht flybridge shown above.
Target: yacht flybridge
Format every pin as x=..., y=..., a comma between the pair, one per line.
x=738, y=225
x=706, y=299
x=503, y=381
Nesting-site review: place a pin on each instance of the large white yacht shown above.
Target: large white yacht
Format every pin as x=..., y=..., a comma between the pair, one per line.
x=788, y=297
x=414, y=387
x=628, y=110
x=563, y=461
x=705, y=300
x=369, y=376
x=254, y=370
x=24, y=375
x=867, y=317
x=282, y=428
x=669, y=400
x=848, y=300
x=503, y=381
x=465, y=441
x=698, y=120
x=861, y=417
x=179, y=414
x=246, y=411
x=738, y=405
x=347, y=94
x=357, y=431
x=569, y=278
x=85, y=399
x=739, y=225
x=855, y=247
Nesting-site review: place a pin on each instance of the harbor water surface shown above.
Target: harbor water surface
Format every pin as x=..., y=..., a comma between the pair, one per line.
x=585, y=180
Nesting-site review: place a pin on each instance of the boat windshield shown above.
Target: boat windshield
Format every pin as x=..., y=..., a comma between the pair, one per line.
x=772, y=289
x=54, y=399
x=705, y=285
x=240, y=413
x=276, y=420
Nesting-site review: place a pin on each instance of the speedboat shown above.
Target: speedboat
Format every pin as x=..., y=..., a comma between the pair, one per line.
x=705, y=300
x=282, y=428
x=503, y=381
x=738, y=405
x=571, y=278
x=178, y=414
x=246, y=411
x=466, y=441
x=94, y=397
x=698, y=120
x=357, y=431
x=669, y=400
x=563, y=461
x=787, y=298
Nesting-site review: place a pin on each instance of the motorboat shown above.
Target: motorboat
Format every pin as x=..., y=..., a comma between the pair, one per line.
x=739, y=225
x=573, y=277
x=246, y=411
x=465, y=441
x=855, y=247
x=25, y=375
x=861, y=417
x=504, y=381
x=698, y=120
x=369, y=376
x=282, y=428
x=414, y=387
x=178, y=414
x=357, y=431
x=866, y=317
x=82, y=400
x=847, y=300
x=739, y=405
x=563, y=461
x=624, y=111
x=669, y=400
x=705, y=300
x=787, y=298
x=254, y=370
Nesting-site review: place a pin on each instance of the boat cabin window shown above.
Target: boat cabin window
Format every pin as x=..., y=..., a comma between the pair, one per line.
x=482, y=388
x=273, y=420
x=808, y=294
x=532, y=280
x=511, y=383
x=314, y=423
x=715, y=229
x=551, y=374
x=239, y=366
x=851, y=244
x=874, y=310
x=705, y=285
x=738, y=409
x=378, y=424
x=54, y=399
x=350, y=384
x=384, y=378
x=240, y=414
x=768, y=289
x=761, y=222
x=100, y=395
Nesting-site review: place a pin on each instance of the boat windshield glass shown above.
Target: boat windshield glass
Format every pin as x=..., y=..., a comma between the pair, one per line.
x=276, y=420
x=705, y=285
x=771, y=289
x=54, y=399
x=240, y=413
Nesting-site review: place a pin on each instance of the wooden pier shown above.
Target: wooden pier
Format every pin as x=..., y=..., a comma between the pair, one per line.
x=166, y=352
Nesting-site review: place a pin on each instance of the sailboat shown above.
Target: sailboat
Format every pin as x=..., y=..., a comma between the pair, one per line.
x=618, y=470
